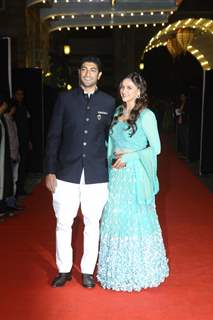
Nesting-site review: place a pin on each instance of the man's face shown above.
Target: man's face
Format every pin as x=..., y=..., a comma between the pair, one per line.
x=89, y=74
x=19, y=95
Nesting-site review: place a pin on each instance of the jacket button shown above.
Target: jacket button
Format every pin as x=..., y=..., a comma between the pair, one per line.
x=88, y=107
x=85, y=131
x=83, y=155
x=84, y=143
x=87, y=119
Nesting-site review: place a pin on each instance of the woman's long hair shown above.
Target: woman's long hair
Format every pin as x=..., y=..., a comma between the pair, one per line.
x=140, y=103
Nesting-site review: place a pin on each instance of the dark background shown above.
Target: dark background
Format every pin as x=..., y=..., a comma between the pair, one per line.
x=120, y=52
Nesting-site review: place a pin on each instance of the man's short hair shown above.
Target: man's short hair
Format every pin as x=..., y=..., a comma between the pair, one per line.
x=93, y=59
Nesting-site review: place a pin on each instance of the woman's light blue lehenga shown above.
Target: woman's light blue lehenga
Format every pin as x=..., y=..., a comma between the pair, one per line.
x=132, y=255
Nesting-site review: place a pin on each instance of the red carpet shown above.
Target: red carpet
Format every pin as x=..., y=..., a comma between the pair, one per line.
x=185, y=209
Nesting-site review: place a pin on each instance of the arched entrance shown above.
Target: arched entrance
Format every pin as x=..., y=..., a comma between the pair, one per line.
x=181, y=39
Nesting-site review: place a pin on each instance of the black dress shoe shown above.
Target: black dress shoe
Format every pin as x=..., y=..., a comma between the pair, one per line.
x=61, y=279
x=88, y=280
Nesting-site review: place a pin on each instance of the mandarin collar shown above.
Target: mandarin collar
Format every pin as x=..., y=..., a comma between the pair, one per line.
x=81, y=91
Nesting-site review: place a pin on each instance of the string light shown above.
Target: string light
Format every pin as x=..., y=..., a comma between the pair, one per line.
x=208, y=23
x=199, y=21
x=203, y=24
x=69, y=86
x=201, y=56
x=67, y=49
x=195, y=51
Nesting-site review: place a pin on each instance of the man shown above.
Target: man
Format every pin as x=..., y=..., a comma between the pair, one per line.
x=76, y=167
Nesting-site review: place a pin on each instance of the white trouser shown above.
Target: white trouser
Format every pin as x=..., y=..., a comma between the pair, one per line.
x=66, y=200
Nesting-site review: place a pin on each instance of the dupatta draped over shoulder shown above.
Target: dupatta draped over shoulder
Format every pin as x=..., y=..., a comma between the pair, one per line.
x=139, y=150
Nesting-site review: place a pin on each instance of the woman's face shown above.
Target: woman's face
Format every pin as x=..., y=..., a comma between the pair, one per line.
x=128, y=91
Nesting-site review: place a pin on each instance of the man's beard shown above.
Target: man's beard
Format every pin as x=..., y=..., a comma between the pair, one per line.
x=88, y=84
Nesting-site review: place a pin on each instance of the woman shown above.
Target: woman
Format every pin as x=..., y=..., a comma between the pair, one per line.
x=132, y=254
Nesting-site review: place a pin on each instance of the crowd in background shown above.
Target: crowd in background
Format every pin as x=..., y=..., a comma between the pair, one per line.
x=15, y=145
x=174, y=115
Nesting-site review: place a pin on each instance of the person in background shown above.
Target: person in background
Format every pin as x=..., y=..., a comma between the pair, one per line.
x=132, y=256
x=6, y=178
x=14, y=154
x=182, y=126
x=21, y=118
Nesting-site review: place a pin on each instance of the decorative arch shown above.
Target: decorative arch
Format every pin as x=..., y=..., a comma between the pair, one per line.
x=200, y=45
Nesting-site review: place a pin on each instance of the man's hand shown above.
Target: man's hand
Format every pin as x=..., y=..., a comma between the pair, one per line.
x=51, y=182
x=118, y=164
